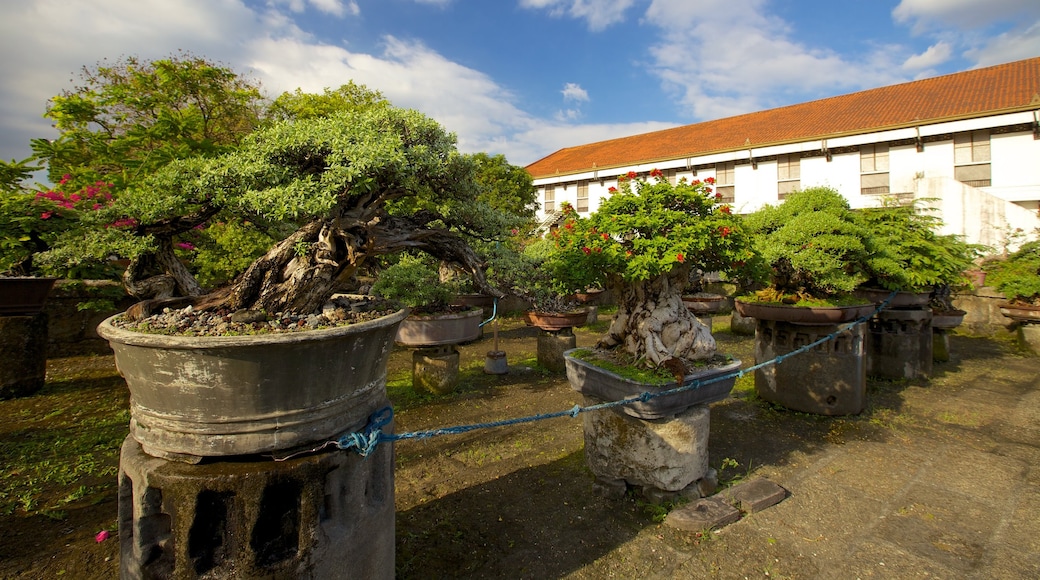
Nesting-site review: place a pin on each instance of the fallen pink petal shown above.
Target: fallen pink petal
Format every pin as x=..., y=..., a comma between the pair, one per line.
x=101, y=536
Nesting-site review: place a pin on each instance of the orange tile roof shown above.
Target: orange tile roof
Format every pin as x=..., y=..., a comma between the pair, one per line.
x=997, y=89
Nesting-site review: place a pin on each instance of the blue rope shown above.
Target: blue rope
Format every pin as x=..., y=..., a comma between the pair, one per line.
x=367, y=440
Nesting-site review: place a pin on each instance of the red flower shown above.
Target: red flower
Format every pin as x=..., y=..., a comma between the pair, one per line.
x=598, y=250
x=628, y=253
x=612, y=189
x=680, y=257
x=724, y=231
x=606, y=236
x=587, y=250
x=46, y=215
x=695, y=182
x=718, y=196
x=632, y=175
x=569, y=225
x=709, y=180
x=726, y=210
x=656, y=173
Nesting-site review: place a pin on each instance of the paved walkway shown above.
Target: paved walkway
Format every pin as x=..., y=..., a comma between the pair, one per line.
x=943, y=482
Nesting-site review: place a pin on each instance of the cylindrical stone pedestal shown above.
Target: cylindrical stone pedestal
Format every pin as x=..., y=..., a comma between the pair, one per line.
x=940, y=345
x=23, y=350
x=326, y=515
x=667, y=455
x=827, y=380
x=551, y=346
x=1029, y=336
x=900, y=344
x=744, y=325
x=593, y=314
x=495, y=363
x=436, y=369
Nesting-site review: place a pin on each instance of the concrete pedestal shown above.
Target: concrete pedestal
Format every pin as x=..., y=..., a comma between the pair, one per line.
x=940, y=345
x=436, y=369
x=666, y=455
x=1029, y=336
x=827, y=380
x=900, y=344
x=552, y=345
x=23, y=350
x=744, y=325
x=327, y=515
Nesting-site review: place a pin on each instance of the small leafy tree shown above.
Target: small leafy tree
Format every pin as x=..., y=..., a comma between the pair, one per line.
x=1018, y=275
x=642, y=243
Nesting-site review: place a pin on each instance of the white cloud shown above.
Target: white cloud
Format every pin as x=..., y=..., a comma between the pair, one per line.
x=962, y=14
x=599, y=14
x=574, y=92
x=936, y=54
x=726, y=57
x=1007, y=47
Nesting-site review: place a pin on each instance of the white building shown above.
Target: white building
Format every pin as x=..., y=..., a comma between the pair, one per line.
x=970, y=141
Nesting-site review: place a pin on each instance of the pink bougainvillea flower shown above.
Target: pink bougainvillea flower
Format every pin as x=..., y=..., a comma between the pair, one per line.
x=46, y=215
x=514, y=231
x=102, y=536
x=65, y=179
x=186, y=245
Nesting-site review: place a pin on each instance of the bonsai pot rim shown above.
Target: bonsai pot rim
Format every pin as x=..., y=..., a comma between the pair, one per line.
x=24, y=295
x=809, y=315
x=1025, y=313
x=552, y=321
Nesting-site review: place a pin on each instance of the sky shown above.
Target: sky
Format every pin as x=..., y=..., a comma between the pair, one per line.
x=523, y=78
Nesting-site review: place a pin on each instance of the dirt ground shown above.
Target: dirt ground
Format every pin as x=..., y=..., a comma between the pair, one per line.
x=517, y=502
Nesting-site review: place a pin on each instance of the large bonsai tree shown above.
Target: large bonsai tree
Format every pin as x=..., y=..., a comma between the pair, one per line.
x=347, y=188
x=642, y=243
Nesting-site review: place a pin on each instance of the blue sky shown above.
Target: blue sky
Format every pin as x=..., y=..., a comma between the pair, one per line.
x=520, y=77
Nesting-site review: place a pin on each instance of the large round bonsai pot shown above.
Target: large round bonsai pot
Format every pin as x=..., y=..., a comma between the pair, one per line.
x=589, y=379
x=241, y=395
x=1026, y=313
x=702, y=303
x=23, y=296
x=948, y=319
x=440, y=329
x=803, y=314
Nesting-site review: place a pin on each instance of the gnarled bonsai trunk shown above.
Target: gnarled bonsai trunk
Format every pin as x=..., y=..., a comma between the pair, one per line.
x=653, y=324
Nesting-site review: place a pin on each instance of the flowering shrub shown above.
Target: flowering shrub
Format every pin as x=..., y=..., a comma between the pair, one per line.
x=647, y=229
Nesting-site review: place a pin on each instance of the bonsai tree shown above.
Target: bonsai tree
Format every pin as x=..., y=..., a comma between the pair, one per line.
x=907, y=254
x=415, y=282
x=347, y=188
x=812, y=247
x=1018, y=276
x=642, y=243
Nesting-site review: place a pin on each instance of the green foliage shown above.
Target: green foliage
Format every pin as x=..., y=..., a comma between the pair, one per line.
x=645, y=230
x=1017, y=276
x=226, y=249
x=349, y=97
x=132, y=117
x=505, y=187
x=811, y=243
x=415, y=282
x=906, y=253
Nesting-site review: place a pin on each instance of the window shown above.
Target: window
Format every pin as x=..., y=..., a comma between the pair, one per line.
x=724, y=181
x=971, y=158
x=873, y=168
x=670, y=175
x=582, y=205
x=788, y=174
x=550, y=198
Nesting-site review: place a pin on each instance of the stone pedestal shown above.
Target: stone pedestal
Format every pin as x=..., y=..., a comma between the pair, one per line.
x=940, y=345
x=668, y=455
x=593, y=314
x=744, y=325
x=900, y=344
x=495, y=363
x=326, y=515
x=23, y=350
x=1029, y=336
x=552, y=345
x=436, y=369
x=829, y=379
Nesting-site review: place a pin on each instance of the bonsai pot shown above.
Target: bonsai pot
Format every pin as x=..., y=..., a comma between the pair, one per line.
x=803, y=314
x=900, y=300
x=204, y=396
x=1025, y=313
x=440, y=329
x=553, y=321
x=946, y=320
x=588, y=296
x=23, y=296
x=589, y=379
x=703, y=303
